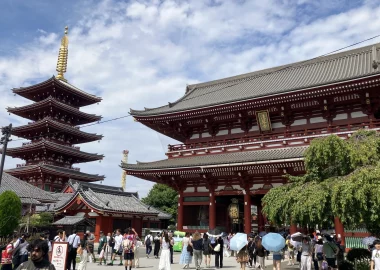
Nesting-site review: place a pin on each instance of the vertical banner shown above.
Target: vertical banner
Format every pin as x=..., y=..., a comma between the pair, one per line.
x=59, y=255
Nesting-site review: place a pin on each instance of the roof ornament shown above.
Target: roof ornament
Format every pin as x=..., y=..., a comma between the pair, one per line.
x=62, y=56
x=375, y=62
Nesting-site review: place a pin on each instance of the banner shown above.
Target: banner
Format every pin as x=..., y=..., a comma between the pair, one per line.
x=59, y=255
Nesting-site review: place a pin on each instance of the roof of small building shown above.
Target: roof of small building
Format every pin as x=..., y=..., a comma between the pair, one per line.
x=334, y=68
x=27, y=192
x=72, y=220
x=277, y=154
x=108, y=199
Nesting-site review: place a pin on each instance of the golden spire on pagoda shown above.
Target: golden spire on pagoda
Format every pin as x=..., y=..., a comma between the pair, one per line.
x=62, y=56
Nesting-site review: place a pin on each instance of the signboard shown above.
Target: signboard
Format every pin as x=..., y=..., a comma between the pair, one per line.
x=59, y=255
x=263, y=120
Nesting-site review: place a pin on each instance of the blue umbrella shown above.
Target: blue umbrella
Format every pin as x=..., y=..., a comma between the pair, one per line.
x=368, y=240
x=262, y=234
x=273, y=242
x=238, y=241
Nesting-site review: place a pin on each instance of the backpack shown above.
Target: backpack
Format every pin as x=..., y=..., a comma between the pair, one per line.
x=111, y=242
x=148, y=241
x=127, y=245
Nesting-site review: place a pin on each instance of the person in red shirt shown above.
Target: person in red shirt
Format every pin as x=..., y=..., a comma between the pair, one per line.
x=6, y=256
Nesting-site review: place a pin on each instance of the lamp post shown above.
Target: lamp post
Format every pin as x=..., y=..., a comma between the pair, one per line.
x=6, y=131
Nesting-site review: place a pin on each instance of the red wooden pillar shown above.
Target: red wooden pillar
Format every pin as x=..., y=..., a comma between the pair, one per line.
x=293, y=228
x=247, y=212
x=180, y=212
x=212, y=210
x=137, y=225
x=339, y=229
x=98, y=227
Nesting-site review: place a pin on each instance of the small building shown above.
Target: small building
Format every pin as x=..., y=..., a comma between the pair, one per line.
x=105, y=208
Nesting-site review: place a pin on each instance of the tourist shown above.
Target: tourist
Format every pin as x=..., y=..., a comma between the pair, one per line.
x=318, y=250
x=148, y=244
x=330, y=250
x=226, y=247
x=171, y=244
x=139, y=244
x=117, y=250
x=128, y=245
x=375, y=259
x=219, y=254
x=38, y=257
x=277, y=257
x=102, y=247
x=110, y=244
x=90, y=246
x=186, y=255
x=157, y=245
x=164, y=263
x=60, y=237
x=83, y=255
x=20, y=250
x=261, y=253
x=74, y=242
x=242, y=257
x=230, y=235
x=45, y=236
x=306, y=253
x=6, y=255
x=196, y=243
x=290, y=249
x=207, y=248
x=251, y=251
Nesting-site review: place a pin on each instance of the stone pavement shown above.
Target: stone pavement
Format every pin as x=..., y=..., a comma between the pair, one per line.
x=152, y=263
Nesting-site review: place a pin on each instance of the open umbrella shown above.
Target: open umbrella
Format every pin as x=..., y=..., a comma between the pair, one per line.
x=214, y=233
x=297, y=237
x=239, y=241
x=273, y=242
x=368, y=240
x=262, y=234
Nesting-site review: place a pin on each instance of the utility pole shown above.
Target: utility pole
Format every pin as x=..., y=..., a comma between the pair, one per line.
x=6, y=131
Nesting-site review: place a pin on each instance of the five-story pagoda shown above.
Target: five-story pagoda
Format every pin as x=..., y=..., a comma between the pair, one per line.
x=51, y=153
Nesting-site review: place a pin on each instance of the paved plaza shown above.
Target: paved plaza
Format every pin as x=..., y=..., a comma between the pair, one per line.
x=152, y=263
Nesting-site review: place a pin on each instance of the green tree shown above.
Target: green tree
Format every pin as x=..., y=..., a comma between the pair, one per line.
x=10, y=212
x=41, y=220
x=342, y=179
x=164, y=198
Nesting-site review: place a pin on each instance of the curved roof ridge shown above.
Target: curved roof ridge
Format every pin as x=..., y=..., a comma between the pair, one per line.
x=22, y=88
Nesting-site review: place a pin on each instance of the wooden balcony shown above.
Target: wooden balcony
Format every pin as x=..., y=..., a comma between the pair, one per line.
x=266, y=141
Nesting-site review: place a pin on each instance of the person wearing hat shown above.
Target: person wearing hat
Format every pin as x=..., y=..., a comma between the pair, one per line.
x=375, y=259
x=318, y=250
x=330, y=250
x=101, y=248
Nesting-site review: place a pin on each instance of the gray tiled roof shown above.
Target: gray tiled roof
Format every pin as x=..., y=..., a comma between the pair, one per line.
x=24, y=190
x=55, y=169
x=231, y=158
x=320, y=71
x=107, y=198
x=71, y=220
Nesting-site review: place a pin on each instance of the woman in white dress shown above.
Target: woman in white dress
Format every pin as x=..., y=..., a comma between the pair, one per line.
x=165, y=253
x=82, y=252
x=137, y=251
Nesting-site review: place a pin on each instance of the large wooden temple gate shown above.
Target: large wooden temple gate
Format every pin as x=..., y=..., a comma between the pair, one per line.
x=241, y=135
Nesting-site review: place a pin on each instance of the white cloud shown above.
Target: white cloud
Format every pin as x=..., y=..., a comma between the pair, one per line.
x=143, y=53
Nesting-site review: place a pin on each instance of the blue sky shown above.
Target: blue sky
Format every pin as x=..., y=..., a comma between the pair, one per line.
x=143, y=53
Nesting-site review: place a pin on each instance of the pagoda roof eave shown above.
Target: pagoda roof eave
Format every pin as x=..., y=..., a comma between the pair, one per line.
x=320, y=72
x=53, y=147
x=52, y=101
x=91, y=99
x=17, y=131
x=201, y=163
x=55, y=170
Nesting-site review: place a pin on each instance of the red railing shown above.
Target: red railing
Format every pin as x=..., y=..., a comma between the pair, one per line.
x=273, y=136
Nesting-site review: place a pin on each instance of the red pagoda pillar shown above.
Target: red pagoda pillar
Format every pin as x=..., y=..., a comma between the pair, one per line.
x=339, y=229
x=180, y=212
x=293, y=228
x=212, y=211
x=247, y=212
x=98, y=227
